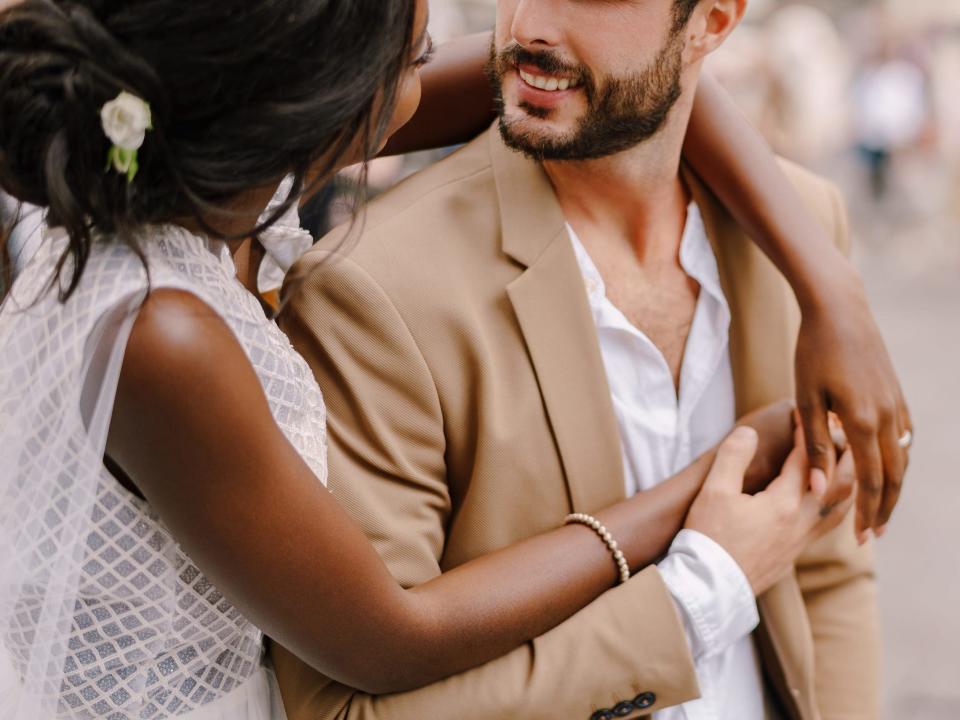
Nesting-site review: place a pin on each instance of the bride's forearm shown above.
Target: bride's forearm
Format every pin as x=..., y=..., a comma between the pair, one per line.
x=532, y=586
x=734, y=160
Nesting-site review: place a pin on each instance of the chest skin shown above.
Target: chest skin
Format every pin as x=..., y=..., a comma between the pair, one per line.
x=655, y=294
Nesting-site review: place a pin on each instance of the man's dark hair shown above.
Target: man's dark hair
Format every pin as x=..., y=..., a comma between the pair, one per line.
x=241, y=95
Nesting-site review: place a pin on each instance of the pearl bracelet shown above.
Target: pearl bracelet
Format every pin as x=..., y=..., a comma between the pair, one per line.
x=599, y=528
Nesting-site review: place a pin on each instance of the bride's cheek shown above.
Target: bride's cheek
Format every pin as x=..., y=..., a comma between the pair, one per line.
x=408, y=100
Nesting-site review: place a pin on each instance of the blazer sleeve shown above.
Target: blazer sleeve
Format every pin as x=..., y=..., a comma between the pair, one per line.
x=836, y=578
x=387, y=468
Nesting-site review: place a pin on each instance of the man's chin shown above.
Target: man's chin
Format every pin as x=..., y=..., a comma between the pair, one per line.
x=532, y=137
x=537, y=124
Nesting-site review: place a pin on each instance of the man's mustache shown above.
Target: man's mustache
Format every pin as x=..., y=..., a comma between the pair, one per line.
x=547, y=61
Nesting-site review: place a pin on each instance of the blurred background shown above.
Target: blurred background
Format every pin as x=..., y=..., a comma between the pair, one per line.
x=868, y=94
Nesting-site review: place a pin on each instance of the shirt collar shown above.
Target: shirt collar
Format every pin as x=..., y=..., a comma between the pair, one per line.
x=696, y=258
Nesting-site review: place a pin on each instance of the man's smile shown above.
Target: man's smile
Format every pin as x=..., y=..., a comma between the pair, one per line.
x=540, y=80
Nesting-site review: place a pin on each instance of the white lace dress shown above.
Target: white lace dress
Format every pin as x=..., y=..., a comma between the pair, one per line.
x=102, y=615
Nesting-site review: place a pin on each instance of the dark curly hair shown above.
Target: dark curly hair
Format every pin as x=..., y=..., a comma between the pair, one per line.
x=241, y=95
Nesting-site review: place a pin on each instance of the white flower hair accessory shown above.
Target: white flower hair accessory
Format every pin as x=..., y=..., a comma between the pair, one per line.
x=125, y=120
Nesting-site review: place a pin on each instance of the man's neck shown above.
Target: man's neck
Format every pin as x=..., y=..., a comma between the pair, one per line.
x=635, y=196
x=629, y=211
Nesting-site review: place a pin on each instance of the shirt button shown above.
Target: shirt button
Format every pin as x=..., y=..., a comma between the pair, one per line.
x=623, y=709
x=602, y=715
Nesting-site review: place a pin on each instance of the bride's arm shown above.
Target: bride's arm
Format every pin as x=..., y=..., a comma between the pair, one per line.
x=842, y=362
x=192, y=429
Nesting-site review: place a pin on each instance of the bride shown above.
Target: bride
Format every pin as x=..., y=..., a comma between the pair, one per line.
x=162, y=447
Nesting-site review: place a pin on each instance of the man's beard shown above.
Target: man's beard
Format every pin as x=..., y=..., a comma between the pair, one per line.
x=622, y=112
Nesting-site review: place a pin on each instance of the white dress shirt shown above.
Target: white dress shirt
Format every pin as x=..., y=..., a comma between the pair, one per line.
x=661, y=434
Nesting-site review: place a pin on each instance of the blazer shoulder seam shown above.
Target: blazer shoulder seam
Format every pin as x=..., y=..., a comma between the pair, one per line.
x=424, y=195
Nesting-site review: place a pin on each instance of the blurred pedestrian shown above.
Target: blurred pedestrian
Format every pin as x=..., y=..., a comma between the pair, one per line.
x=809, y=68
x=891, y=110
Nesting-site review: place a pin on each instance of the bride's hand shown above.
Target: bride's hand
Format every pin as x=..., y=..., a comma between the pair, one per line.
x=775, y=427
x=842, y=365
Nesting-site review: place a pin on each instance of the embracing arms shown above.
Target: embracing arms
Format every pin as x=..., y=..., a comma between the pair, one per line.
x=252, y=515
x=842, y=363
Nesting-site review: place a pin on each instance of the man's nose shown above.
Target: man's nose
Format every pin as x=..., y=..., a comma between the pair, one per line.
x=535, y=23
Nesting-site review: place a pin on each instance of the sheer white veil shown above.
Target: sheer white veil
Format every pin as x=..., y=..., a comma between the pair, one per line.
x=59, y=368
x=59, y=364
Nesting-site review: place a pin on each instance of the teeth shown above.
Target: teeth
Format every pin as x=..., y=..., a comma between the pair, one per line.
x=550, y=84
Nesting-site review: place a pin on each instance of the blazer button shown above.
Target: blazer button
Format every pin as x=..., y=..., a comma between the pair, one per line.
x=603, y=714
x=644, y=700
x=623, y=709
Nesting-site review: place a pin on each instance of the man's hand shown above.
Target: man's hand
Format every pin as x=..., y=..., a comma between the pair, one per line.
x=767, y=532
x=842, y=365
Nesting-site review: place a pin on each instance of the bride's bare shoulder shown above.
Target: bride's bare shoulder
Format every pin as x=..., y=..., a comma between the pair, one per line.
x=177, y=337
x=183, y=372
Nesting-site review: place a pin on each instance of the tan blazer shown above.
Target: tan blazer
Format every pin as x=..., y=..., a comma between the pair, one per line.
x=469, y=409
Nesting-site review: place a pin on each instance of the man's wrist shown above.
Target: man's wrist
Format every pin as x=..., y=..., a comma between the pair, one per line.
x=712, y=594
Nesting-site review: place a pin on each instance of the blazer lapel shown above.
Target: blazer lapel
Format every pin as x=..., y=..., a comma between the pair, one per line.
x=551, y=306
x=554, y=315
x=764, y=324
x=764, y=315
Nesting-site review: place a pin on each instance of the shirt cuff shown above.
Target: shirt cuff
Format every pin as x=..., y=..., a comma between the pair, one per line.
x=714, y=597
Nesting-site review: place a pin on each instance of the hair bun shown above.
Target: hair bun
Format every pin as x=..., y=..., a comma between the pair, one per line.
x=239, y=98
x=58, y=66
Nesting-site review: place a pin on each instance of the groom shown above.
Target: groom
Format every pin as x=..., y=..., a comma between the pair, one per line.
x=555, y=317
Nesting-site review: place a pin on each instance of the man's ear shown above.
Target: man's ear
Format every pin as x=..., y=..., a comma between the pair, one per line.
x=710, y=25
